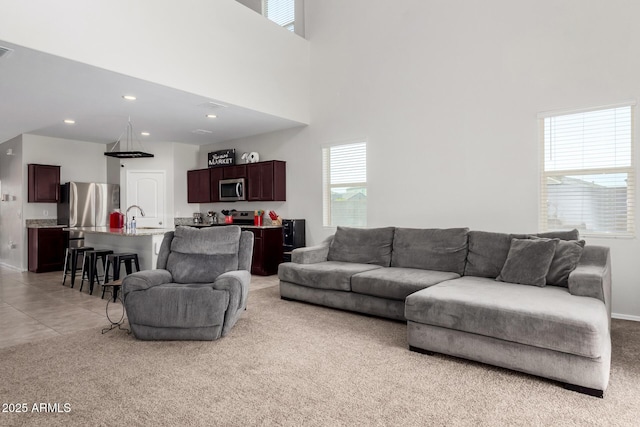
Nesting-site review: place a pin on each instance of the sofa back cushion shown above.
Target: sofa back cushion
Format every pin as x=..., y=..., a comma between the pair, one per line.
x=562, y=235
x=430, y=249
x=487, y=253
x=362, y=245
x=201, y=255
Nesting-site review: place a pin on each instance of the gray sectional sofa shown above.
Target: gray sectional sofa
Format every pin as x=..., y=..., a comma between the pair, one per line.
x=539, y=304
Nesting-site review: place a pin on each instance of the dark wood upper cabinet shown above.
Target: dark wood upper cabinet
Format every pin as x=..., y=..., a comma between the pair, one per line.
x=198, y=186
x=237, y=171
x=216, y=174
x=44, y=183
x=267, y=181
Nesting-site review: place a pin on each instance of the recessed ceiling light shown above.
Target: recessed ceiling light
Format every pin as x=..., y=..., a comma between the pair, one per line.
x=69, y=121
x=211, y=116
x=129, y=97
x=145, y=133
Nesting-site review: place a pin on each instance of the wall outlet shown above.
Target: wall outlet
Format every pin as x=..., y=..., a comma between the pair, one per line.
x=11, y=244
x=45, y=212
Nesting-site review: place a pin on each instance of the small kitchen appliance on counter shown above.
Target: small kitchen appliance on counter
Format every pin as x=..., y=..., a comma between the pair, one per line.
x=293, y=236
x=197, y=218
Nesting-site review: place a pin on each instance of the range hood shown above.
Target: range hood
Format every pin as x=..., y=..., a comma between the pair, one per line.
x=129, y=153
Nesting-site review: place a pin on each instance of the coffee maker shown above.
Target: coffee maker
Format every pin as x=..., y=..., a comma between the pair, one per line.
x=197, y=218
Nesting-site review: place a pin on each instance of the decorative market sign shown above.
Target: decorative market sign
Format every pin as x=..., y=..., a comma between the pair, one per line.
x=222, y=158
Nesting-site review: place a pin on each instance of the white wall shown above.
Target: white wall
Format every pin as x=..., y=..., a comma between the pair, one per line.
x=12, y=232
x=219, y=49
x=78, y=161
x=447, y=95
x=173, y=158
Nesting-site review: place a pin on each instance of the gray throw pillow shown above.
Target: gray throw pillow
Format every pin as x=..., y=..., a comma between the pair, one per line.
x=528, y=261
x=565, y=260
x=362, y=245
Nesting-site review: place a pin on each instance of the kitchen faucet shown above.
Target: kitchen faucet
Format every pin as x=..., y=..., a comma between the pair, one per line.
x=126, y=214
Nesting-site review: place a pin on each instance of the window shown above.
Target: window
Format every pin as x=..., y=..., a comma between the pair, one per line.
x=344, y=179
x=588, y=178
x=282, y=12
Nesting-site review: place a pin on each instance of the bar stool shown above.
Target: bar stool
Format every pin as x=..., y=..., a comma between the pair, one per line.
x=72, y=254
x=115, y=260
x=90, y=266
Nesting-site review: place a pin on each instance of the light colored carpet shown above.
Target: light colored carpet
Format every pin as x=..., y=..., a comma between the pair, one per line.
x=288, y=363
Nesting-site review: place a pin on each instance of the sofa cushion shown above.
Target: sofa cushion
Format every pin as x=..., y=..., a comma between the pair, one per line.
x=528, y=261
x=430, y=249
x=487, y=253
x=362, y=245
x=397, y=283
x=201, y=255
x=322, y=275
x=548, y=317
x=565, y=260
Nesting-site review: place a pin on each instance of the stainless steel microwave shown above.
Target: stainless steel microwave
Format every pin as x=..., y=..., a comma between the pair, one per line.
x=232, y=190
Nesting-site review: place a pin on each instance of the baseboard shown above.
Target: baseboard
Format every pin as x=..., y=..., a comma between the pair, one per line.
x=625, y=317
x=11, y=267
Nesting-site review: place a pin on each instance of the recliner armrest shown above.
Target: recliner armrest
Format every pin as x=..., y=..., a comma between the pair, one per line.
x=236, y=283
x=143, y=280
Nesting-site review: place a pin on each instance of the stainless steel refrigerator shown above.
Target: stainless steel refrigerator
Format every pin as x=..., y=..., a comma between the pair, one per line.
x=86, y=204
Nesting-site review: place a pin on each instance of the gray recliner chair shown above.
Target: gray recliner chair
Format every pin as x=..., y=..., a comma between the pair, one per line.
x=199, y=289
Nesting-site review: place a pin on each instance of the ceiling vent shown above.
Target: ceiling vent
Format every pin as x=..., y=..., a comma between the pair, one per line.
x=212, y=105
x=4, y=51
x=201, y=132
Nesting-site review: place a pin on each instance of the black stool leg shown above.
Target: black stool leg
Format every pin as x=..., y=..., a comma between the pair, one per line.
x=116, y=269
x=93, y=273
x=127, y=266
x=106, y=270
x=74, y=265
x=85, y=269
x=66, y=265
x=135, y=259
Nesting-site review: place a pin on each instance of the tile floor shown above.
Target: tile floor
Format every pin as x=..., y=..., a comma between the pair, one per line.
x=36, y=306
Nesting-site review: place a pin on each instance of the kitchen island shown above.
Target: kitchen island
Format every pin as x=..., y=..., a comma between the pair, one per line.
x=143, y=241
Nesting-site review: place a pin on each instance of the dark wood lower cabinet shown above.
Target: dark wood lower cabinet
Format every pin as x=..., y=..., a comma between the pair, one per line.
x=46, y=248
x=267, y=250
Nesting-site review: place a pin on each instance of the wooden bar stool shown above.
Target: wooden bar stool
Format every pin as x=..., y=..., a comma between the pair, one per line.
x=90, y=266
x=72, y=254
x=115, y=260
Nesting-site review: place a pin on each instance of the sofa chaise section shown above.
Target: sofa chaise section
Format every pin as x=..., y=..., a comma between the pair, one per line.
x=554, y=332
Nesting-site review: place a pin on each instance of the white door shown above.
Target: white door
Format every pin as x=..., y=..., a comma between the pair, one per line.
x=147, y=190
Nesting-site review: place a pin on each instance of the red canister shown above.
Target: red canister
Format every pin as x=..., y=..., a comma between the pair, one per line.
x=116, y=219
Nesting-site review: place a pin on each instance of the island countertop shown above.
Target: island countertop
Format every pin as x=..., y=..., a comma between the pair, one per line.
x=140, y=231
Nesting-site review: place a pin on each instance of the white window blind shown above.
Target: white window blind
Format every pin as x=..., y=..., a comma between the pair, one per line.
x=282, y=12
x=344, y=179
x=588, y=178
